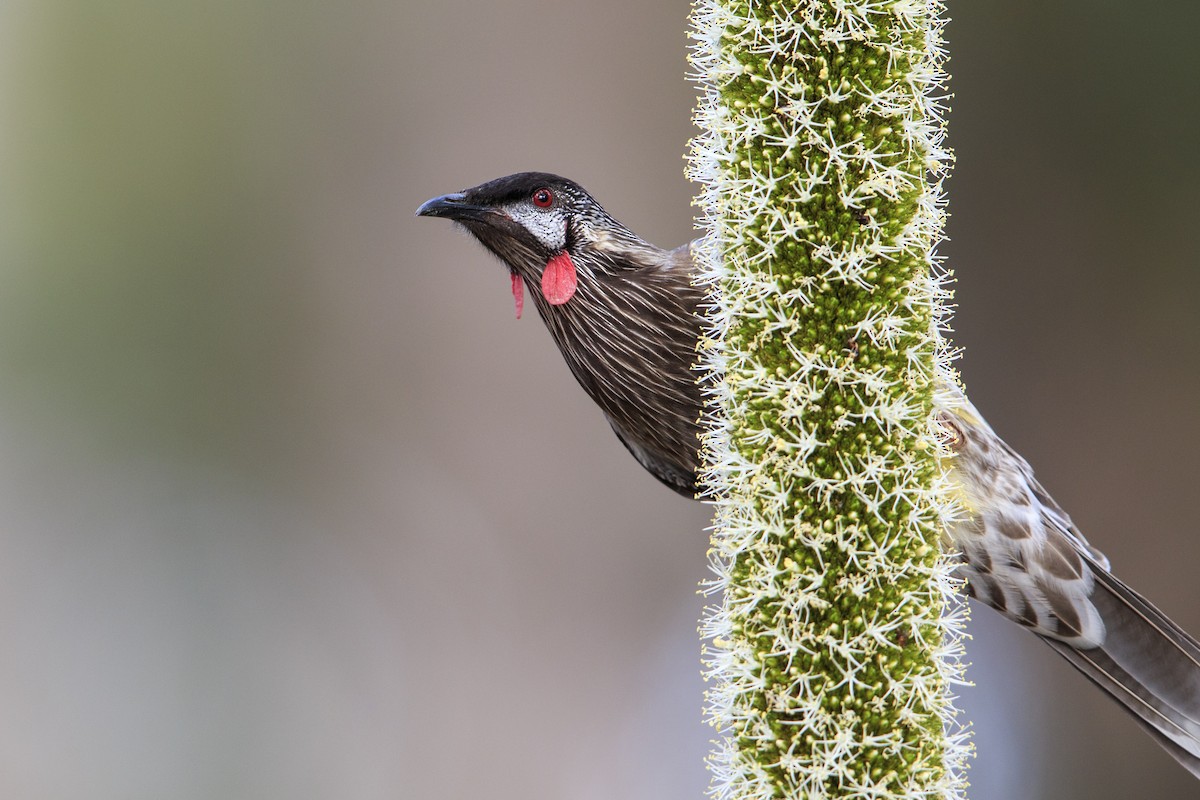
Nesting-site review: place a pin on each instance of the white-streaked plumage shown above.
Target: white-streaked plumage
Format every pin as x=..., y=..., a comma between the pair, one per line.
x=1022, y=555
x=629, y=334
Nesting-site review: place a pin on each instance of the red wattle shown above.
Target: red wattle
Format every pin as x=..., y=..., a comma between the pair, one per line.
x=559, y=279
x=518, y=290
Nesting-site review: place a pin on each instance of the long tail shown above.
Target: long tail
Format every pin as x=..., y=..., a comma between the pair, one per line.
x=1148, y=664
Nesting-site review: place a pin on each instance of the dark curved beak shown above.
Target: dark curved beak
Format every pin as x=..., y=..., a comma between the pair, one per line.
x=451, y=206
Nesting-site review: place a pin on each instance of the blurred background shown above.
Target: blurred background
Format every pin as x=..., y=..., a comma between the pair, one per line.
x=291, y=507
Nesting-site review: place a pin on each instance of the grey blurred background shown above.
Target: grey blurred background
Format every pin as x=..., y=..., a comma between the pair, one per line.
x=291, y=507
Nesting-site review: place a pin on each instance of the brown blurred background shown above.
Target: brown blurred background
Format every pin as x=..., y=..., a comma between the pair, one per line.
x=290, y=507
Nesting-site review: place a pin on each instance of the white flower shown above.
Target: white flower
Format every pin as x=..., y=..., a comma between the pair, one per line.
x=821, y=163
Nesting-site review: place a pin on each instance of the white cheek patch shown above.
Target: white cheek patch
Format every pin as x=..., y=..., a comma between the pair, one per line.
x=547, y=225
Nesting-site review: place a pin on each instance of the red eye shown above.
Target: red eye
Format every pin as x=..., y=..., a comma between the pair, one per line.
x=543, y=198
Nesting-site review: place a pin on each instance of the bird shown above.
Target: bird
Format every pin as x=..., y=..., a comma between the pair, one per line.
x=627, y=317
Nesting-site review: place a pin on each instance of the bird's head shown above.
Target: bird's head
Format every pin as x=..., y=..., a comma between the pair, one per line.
x=547, y=230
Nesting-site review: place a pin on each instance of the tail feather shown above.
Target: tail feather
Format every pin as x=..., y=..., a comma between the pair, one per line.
x=1148, y=664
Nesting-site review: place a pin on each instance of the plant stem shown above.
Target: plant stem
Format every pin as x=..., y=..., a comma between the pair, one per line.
x=821, y=161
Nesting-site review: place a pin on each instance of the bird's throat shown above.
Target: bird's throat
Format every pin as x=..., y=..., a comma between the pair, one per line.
x=559, y=279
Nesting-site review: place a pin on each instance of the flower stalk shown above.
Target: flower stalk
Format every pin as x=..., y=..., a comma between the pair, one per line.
x=821, y=161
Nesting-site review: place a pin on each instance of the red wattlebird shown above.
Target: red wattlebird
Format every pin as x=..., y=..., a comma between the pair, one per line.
x=624, y=313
